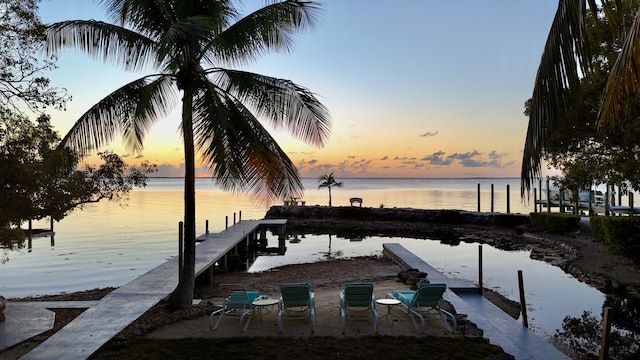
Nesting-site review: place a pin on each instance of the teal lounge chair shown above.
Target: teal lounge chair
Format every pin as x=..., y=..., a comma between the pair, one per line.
x=297, y=301
x=357, y=302
x=425, y=298
x=238, y=304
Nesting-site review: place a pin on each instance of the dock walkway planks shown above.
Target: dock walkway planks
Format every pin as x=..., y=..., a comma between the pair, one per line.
x=500, y=328
x=101, y=322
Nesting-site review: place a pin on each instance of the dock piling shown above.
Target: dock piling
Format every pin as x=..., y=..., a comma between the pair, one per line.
x=606, y=332
x=481, y=287
x=523, y=303
x=491, y=198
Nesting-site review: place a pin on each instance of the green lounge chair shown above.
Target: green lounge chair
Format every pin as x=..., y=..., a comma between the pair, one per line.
x=357, y=302
x=297, y=301
x=425, y=298
x=238, y=304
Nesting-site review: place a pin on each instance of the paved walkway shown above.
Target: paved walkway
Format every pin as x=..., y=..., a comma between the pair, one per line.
x=101, y=322
x=500, y=328
x=25, y=320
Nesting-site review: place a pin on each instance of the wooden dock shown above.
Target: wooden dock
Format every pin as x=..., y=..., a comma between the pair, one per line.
x=102, y=321
x=500, y=328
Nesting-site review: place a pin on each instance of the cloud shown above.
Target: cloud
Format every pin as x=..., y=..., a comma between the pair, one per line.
x=384, y=158
x=429, y=133
x=139, y=156
x=437, y=158
x=464, y=156
x=170, y=170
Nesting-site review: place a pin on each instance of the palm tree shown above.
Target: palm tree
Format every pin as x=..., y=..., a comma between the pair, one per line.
x=329, y=181
x=565, y=60
x=186, y=42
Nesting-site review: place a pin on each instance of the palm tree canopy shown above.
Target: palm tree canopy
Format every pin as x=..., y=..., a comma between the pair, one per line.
x=186, y=45
x=328, y=181
x=565, y=60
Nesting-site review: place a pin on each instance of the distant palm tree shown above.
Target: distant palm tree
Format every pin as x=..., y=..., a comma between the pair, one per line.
x=565, y=60
x=186, y=42
x=329, y=181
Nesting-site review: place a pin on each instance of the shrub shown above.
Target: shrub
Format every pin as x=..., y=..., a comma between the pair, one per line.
x=597, y=225
x=622, y=236
x=559, y=223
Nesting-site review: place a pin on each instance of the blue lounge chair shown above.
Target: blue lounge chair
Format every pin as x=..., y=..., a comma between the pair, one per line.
x=238, y=304
x=425, y=298
x=297, y=301
x=357, y=302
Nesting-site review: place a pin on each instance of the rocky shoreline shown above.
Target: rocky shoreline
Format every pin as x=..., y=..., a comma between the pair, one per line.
x=576, y=254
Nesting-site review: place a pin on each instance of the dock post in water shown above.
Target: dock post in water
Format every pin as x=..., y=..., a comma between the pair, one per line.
x=523, y=303
x=239, y=215
x=540, y=196
x=206, y=226
x=226, y=222
x=478, y=197
x=508, y=200
x=481, y=287
x=548, y=196
x=606, y=332
x=492, y=198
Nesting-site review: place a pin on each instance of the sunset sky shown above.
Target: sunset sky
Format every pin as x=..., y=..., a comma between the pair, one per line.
x=418, y=88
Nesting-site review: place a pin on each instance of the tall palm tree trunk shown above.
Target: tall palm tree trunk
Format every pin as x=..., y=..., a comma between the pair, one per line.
x=182, y=296
x=330, y=196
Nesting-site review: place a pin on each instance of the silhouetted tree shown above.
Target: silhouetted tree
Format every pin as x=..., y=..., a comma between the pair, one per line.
x=187, y=43
x=329, y=181
x=576, y=61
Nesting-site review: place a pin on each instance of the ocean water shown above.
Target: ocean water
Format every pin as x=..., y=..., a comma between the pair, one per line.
x=110, y=244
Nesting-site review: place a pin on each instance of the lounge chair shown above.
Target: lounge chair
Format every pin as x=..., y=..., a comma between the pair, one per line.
x=357, y=302
x=425, y=298
x=237, y=304
x=297, y=301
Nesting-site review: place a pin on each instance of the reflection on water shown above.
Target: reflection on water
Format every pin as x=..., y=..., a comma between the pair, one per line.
x=551, y=294
x=582, y=335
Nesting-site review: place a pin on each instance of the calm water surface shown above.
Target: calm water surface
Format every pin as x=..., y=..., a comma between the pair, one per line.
x=110, y=244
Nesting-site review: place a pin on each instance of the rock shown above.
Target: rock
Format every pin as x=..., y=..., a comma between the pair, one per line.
x=412, y=277
x=3, y=304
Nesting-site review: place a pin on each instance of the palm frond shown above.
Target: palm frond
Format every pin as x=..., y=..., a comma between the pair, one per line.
x=563, y=61
x=102, y=41
x=242, y=155
x=623, y=81
x=129, y=111
x=193, y=34
x=148, y=17
x=271, y=28
x=281, y=101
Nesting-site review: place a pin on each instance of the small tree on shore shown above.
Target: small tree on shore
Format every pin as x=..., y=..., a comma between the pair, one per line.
x=329, y=181
x=37, y=180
